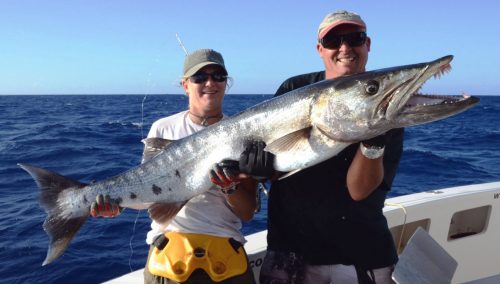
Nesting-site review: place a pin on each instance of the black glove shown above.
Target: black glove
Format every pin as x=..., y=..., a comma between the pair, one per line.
x=257, y=162
x=377, y=141
x=223, y=175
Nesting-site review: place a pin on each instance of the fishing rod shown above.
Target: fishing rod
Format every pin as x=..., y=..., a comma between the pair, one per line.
x=181, y=44
x=144, y=99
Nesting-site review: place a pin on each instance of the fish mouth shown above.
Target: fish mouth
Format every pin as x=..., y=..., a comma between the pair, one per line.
x=405, y=99
x=419, y=101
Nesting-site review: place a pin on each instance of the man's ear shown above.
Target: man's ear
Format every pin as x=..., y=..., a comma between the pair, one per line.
x=319, y=49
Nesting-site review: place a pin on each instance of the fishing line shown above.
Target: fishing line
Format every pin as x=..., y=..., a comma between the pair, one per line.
x=130, y=242
x=400, y=241
x=138, y=211
x=142, y=116
x=142, y=137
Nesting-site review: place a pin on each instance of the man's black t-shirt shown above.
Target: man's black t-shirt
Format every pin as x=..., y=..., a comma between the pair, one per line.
x=311, y=212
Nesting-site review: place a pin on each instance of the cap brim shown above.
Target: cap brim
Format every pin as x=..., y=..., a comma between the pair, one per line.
x=198, y=66
x=336, y=24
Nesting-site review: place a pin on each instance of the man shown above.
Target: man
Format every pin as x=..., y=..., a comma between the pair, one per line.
x=325, y=223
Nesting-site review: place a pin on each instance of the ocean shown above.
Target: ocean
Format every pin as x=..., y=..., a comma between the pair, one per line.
x=93, y=137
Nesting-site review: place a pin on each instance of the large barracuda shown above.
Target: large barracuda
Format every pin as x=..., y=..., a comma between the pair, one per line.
x=302, y=128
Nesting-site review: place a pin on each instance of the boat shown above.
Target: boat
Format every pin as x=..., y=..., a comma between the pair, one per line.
x=461, y=236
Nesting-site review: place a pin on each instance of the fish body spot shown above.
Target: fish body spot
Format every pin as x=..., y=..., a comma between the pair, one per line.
x=156, y=189
x=133, y=195
x=177, y=173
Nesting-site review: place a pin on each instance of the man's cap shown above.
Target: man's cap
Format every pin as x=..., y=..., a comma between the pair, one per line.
x=201, y=58
x=337, y=18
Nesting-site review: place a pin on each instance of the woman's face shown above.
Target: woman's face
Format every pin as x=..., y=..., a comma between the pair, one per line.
x=206, y=93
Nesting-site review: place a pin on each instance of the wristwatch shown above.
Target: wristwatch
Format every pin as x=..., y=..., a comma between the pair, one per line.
x=371, y=152
x=229, y=190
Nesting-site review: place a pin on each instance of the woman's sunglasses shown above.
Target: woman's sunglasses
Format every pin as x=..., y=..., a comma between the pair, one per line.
x=202, y=77
x=333, y=41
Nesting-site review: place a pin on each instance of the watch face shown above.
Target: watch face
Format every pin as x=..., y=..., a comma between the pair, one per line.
x=229, y=190
x=372, y=152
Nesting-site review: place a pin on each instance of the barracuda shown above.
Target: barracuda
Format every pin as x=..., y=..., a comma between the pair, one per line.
x=302, y=128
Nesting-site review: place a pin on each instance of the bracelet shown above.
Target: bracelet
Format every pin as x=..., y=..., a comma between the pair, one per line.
x=229, y=190
x=372, y=152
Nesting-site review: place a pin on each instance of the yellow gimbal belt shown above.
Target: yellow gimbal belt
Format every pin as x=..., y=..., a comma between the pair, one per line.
x=176, y=255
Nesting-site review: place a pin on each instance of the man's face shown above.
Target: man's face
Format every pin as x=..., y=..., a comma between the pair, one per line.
x=346, y=59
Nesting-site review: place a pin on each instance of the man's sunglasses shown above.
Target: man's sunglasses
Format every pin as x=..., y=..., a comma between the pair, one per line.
x=201, y=77
x=333, y=41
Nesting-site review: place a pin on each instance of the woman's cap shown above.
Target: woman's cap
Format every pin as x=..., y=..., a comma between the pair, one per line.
x=201, y=58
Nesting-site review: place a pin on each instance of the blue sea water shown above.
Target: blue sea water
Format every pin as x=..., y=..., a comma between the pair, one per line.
x=95, y=137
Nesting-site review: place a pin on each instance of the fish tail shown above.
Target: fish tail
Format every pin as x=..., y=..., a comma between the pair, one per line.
x=59, y=225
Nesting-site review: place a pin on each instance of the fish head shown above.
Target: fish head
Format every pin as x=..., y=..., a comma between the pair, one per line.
x=362, y=106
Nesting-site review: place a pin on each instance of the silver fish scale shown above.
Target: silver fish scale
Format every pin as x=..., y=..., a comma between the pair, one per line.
x=178, y=173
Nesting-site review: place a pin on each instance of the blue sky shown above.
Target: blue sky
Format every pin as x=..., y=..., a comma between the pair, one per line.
x=130, y=47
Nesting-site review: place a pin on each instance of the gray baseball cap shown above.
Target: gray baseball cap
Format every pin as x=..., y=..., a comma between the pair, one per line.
x=339, y=18
x=201, y=58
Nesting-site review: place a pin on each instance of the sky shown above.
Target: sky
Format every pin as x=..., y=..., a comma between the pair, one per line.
x=130, y=47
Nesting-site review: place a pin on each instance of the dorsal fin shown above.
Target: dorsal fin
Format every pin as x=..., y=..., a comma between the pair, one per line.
x=153, y=146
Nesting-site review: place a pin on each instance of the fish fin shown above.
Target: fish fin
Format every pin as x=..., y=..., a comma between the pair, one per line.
x=294, y=141
x=153, y=146
x=60, y=227
x=291, y=173
x=164, y=212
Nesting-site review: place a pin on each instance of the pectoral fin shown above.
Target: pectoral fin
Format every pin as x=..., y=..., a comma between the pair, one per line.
x=292, y=142
x=289, y=174
x=164, y=212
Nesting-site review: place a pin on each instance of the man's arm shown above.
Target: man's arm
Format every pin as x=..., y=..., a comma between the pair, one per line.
x=366, y=175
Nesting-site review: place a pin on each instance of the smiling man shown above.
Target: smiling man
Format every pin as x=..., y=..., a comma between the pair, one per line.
x=325, y=223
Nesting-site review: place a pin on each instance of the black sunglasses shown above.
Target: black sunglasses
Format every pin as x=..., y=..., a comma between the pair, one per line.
x=202, y=77
x=333, y=41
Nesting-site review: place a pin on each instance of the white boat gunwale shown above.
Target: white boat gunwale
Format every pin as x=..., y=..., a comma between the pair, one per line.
x=438, y=212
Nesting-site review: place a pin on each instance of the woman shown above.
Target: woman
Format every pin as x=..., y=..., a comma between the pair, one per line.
x=203, y=242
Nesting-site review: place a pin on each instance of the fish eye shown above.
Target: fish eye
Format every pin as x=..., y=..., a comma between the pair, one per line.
x=371, y=87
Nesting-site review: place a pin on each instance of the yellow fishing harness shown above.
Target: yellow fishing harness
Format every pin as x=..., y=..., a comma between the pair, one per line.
x=176, y=255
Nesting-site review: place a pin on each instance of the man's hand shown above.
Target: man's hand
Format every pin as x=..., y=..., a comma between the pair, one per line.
x=257, y=162
x=105, y=207
x=254, y=162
